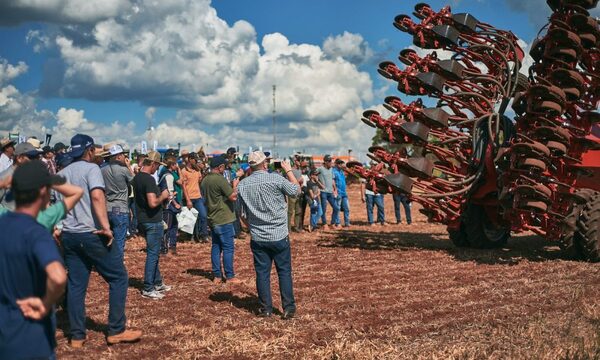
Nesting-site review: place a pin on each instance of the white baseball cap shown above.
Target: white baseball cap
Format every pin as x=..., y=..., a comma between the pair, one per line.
x=115, y=149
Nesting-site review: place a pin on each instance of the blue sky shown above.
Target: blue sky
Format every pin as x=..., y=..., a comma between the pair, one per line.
x=98, y=67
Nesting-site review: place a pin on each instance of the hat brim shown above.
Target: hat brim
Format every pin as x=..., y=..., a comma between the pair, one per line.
x=10, y=143
x=76, y=153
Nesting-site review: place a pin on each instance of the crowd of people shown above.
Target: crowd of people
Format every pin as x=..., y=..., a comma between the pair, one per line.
x=68, y=210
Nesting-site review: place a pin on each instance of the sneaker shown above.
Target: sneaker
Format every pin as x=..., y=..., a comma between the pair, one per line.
x=127, y=336
x=288, y=314
x=154, y=295
x=264, y=314
x=163, y=288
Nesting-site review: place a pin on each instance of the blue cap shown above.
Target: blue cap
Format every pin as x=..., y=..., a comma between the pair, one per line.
x=245, y=167
x=63, y=160
x=79, y=143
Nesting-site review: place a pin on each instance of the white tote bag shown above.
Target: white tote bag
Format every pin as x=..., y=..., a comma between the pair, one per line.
x=187, y=219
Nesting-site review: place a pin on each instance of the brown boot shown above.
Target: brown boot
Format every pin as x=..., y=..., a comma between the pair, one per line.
x=77, y=344
x=126, y=336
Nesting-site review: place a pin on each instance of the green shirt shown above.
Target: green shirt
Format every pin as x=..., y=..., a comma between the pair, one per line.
x=49, y=217
x=179, y=196
x=216, y=190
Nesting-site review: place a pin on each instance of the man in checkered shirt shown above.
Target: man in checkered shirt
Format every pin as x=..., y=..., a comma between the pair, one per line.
x=262, y=197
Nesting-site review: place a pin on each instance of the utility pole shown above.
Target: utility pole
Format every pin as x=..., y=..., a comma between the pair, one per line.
x=274, y=128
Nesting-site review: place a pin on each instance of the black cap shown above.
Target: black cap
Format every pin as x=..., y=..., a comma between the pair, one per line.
x=314, y=172
x=231, y=151
x=60, y=147
x=193, y=155
x=217, y=161
x=34, y=175
x=339, y=161
x=327, y=158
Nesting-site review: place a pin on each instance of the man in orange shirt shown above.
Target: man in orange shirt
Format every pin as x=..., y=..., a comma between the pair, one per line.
x=191, y=177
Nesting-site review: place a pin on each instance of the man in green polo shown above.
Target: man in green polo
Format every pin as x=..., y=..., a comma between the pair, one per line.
x=220, y=197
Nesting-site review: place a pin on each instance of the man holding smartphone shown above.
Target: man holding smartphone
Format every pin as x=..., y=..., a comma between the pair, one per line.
x=262, y=196
x=87, y=241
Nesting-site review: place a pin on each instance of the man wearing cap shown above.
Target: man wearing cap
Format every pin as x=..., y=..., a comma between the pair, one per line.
x=296, y=204
x=48, y=159
x=191, y=177
x=117, y=175
x=60, y=148
x=220, y=198
x=329, y=193
x=24, y=152
x=87, y=241
x=262, y=196
x=148, y=201
x=7, y=147
x=31, y=271
x=339, y=178
x=35, y=142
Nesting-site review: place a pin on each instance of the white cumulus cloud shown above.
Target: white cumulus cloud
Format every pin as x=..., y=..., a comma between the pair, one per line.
x=60, y=11
x=348, y=46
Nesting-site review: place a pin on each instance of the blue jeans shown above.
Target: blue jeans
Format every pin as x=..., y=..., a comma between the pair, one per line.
x=402, y=199
x=133, y=224
x=119, y=224
x=325, y=197
x=202, y=221
x=170, y=237
x=343, y=205
x=376, y=200
x=222, y=243
x=154, y=234
x=82, y=252
x=315, y=213
x=265, y=253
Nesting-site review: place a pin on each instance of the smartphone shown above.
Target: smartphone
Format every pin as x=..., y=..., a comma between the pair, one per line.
x=277, y=164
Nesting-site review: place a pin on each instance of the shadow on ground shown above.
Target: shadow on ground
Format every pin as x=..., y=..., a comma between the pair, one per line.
x=249, y=302
x=531, y=248
x=200, y=272
x=62, y=323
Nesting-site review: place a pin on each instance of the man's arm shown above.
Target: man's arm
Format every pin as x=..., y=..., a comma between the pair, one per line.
x=36, y=308
x=362, y=191
x=285, y=165
x=155, y=201
x=99, y=208
x=71, y=194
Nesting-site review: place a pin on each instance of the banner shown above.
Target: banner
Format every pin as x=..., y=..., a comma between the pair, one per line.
x=155, y=145
x=13, y=136
x=144, y=148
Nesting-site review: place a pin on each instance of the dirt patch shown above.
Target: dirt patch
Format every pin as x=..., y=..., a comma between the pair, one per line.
x=390, y=292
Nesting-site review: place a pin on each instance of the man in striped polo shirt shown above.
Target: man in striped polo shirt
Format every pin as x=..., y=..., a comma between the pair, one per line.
x=262, y=197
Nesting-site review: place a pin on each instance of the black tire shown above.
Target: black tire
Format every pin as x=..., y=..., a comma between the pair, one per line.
x=567, y=241
x=481, y=232
x=587, y=236
x=459, y=237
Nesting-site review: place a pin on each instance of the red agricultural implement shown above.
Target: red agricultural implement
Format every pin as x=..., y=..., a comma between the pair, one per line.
x=476, y=170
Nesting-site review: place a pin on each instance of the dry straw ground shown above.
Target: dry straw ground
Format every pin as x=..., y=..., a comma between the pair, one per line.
x=394, y=292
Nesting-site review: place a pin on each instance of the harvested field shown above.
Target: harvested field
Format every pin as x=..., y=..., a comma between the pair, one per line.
x=393, y=292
